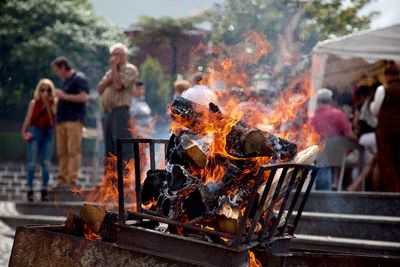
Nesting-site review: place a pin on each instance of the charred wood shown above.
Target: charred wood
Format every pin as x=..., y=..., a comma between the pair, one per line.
x=242, y=141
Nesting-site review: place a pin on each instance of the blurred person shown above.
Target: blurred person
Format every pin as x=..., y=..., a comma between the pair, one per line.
x=140, y=112
x=386, y=106
x=200, y=93
x=365, y=123
x=115, y=89
x=38, y=131
x=71, y=111
x=329, y=122
x=180, y=86
x=345, y=103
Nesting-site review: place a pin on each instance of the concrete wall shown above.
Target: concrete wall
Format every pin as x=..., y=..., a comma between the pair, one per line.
x=13, y=179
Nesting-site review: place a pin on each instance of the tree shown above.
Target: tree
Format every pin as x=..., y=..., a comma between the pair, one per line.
x=35, y=32
x=319, y=20
x=292, y=27
x=165, y=29
x=157, y=85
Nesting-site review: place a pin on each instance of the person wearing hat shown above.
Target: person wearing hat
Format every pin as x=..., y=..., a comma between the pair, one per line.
x=386, y=106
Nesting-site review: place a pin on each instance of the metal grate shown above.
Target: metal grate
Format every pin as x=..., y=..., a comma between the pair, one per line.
x=272, y=231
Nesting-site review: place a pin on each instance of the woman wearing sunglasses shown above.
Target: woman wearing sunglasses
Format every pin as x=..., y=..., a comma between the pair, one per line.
x=38, y=131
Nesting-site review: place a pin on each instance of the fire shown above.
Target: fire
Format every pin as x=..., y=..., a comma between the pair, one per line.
x=89, y=234
x=253, y=261
x=287, y=118
x=107, y=193
x=151, y=204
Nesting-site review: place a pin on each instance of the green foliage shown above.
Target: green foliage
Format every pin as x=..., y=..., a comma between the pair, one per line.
x=320, y=19
x=34, y=32
x=12, y=147
x=157, y=86
x=157, y=31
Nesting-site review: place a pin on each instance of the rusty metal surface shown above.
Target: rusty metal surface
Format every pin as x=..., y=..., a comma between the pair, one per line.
x=47, y=246
x=182, y=248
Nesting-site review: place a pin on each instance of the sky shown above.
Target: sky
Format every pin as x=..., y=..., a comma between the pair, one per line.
x=127, y=12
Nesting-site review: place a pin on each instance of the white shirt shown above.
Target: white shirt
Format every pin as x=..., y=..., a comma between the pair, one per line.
x=376, y=104
x=200, y=94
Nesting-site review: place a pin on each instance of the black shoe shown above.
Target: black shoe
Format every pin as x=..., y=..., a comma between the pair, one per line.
x=30, y=195
x=44, y=195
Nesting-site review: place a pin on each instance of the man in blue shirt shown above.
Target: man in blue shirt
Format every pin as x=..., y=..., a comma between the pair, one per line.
x=71, y=109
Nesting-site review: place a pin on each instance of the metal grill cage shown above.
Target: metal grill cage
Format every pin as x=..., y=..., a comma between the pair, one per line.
x=277, y=227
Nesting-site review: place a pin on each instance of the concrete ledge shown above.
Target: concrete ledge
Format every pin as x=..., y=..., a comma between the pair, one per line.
x=367, y=227
x=376, y=203
x=348, y=245
x=19, y=220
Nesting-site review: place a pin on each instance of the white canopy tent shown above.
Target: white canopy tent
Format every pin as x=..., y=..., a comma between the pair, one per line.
x=340, y=59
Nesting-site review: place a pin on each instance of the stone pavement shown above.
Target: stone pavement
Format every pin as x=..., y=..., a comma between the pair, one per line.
x=6, y=234
x=6, y=242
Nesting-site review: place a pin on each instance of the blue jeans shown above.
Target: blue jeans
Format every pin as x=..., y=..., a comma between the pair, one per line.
x=41, y=145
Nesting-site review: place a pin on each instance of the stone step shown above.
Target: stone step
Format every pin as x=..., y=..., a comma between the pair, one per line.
x=384, y=228
x=374, y=203
x=17, y=220
x=49, y=208
x=315, y=243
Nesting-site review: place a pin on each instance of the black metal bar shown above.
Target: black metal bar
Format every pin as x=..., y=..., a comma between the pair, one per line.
x=296, y=196
x=152, y=156
x=271, y=205
x=138, y=186
x=242, y=226
x=134, y=215
x=261, y=204
x=305, y=196
x=120, y=174
x=287, y=193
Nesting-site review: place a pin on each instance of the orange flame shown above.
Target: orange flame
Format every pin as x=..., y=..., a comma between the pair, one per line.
x=287, y=118
x=107, y=193
x=89, y=234
x=253, y=261
x=151, y=204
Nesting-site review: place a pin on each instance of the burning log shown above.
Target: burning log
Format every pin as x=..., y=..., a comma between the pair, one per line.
x=153, y=185
x=242, y=141
x=93, y=216
x=73, y=225
x=94, y=219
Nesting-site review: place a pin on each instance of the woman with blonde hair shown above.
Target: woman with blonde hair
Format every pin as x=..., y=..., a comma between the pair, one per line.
x=38, y=131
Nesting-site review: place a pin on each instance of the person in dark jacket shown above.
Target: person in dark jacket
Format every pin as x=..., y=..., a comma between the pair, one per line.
x=386, y=106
